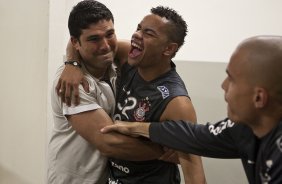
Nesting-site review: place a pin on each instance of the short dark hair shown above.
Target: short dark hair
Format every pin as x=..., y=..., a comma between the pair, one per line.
x=85, y=13
x=178, y=29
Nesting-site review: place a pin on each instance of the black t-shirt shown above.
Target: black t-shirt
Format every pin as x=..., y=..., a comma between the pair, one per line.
x=139, y=100
x=261, y=158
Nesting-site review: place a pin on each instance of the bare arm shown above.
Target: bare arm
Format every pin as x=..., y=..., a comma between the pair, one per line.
x=88, y=125
x=122, y=52
x=181, y=108
x=70, y=78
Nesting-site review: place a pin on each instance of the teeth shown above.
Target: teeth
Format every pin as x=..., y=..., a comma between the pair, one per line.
x=137, y=46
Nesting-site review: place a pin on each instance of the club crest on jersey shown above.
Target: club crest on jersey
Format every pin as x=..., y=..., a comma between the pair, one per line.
x=143, y=107
x=164, y=91
x=279, y=143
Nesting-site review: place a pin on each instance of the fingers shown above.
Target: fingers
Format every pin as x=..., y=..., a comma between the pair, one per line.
x=76, y=94
x=58, y=87
x=118, y=127
x=72, y=93
x=61, y=92
x=64, y=91
x=67, y=90
x=85, y=85
x=109, y=128
x=67, y=94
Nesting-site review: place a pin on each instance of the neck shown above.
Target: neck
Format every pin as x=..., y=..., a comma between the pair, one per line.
x=264, y=126
x=151, y=72
x=98, y=73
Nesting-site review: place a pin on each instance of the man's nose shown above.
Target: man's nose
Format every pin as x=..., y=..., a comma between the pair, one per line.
x=105, y=45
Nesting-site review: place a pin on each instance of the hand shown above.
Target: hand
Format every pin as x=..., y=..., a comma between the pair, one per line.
x=170, y=155
x=134, y=129
x=119, y=126
x=68, y=83
x=70, y=78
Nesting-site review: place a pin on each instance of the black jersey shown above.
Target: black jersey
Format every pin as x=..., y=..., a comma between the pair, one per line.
x=139, y=100
x=261, y=158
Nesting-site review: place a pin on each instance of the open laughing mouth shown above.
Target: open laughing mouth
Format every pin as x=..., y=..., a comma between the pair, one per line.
x=136, y=50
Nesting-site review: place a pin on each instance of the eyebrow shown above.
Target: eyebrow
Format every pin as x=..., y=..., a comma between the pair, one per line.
x=93, y=36
x=96, y=36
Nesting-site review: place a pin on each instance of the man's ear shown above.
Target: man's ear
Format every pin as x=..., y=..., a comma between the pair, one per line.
x=75, y=42
x=171, y=49
x=260, y=97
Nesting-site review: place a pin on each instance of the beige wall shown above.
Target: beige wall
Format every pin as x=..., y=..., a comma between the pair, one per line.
x=23, y=76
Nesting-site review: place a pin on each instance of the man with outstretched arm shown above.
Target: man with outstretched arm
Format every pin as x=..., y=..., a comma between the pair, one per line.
x=253, y=92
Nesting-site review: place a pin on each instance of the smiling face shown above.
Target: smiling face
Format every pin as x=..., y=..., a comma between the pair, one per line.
x=97, y=46
x=150, y=42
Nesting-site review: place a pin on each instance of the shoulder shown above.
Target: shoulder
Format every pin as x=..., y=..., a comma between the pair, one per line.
x=179, y=108
x=174, y=84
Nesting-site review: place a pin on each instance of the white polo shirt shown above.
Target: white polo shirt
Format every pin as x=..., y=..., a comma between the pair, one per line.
x=71, y=159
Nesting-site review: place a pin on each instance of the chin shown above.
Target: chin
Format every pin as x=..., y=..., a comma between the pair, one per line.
x=235, y=120
x=132, y=62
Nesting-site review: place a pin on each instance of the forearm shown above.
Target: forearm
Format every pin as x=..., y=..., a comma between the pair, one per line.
x=192, y=168
x=128, y=148
x=88, y=125
x=197, y=139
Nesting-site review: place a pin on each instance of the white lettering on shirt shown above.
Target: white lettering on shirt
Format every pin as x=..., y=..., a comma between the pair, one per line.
x=219, y=128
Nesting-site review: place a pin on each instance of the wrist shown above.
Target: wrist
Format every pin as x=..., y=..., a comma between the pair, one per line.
x=73, y=63
x=141, y=129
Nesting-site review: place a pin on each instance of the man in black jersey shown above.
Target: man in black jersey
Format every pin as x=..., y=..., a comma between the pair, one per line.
x=253, y=92
x=151, y=90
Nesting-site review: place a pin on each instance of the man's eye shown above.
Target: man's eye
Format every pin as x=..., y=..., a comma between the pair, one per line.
x=110, y=35
x=94, y=39
x=149, y=33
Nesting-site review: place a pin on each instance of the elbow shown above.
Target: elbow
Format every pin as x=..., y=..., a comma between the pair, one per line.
x=106, y=150
x=108, y=147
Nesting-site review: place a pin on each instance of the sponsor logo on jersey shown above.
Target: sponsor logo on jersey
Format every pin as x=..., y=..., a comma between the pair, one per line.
x=215, y=130
x=120, y=167
x=279, y=143
x=164, y=91
x=110, y=181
